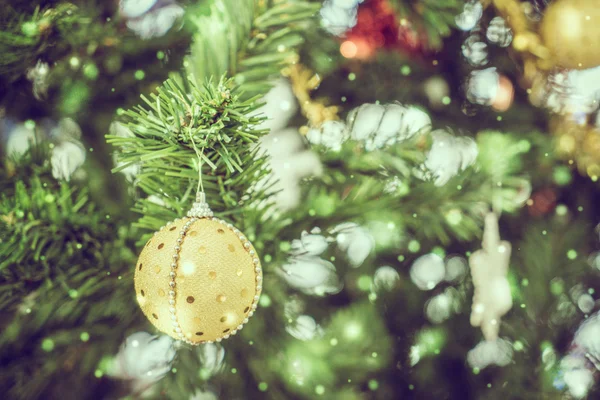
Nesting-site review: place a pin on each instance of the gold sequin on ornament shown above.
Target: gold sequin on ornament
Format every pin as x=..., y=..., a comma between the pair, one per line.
x=196, y=262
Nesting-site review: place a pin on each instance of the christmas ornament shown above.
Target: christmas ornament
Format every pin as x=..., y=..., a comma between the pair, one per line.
x=570, y=30
x=198, y=279
x=489, y=268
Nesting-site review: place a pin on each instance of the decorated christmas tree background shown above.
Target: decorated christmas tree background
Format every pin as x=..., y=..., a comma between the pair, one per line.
x=299, y=199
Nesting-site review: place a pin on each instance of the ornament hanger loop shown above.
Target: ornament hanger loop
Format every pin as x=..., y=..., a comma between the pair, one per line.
x=200, y=208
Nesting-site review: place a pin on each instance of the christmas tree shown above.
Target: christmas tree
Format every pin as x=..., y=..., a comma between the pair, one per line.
x=298, y=199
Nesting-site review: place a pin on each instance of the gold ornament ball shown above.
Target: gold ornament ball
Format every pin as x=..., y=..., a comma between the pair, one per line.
x=198, y=280
x=570, y=30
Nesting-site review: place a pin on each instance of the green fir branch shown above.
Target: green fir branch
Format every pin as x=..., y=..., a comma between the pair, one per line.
x=174, y=129
x=434, y=19
x=353, y=188
x=249, y=40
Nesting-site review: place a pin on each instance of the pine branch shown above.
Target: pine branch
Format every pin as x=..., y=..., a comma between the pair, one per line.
x=46, y=227
x=433, y=18
x=60, y=257
x=89, y=57
x=250, y=40
x=354, y=186
x=166, y=133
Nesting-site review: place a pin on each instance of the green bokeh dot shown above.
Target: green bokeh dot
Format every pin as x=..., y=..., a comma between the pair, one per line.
x=454, y=217
x=557, y=287
x=204, y=374
x=263, y=386
x=518, y=345
x=562, y=175
x=90, y=71
x=74, y=62
x=439, y=251
x=265, y=300
x=373, y=384
x=524, y=145
x=364, y=283
x=324, y=205
x=414, y=246
x=30, y=28
x=47, y=344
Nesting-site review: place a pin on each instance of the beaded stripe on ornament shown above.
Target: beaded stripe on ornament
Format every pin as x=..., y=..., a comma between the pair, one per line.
x=200, y=209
